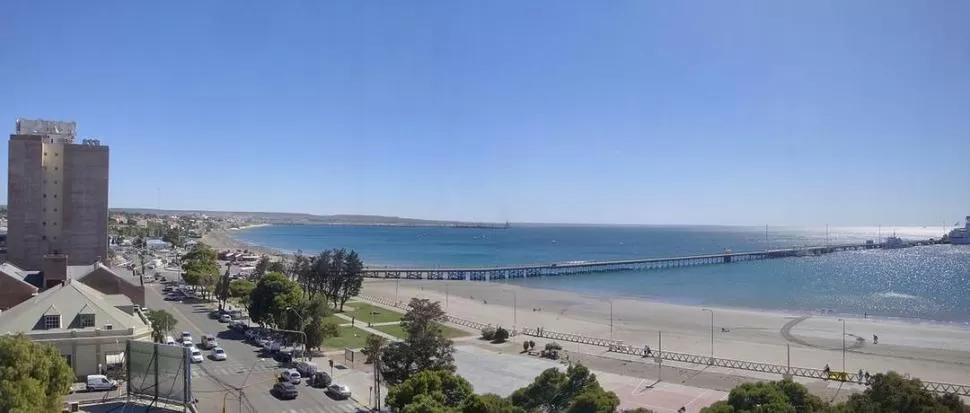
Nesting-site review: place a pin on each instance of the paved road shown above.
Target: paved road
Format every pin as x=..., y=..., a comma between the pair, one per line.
x=211, y=379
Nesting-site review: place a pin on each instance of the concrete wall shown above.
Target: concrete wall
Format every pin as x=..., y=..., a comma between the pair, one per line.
x=85, y=226
x=88, y=348
x=25, y=190
x=13, y=292
x=108, y=283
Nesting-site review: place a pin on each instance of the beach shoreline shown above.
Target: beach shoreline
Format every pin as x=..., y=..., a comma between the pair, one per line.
x=931, y=351
x=224, y=240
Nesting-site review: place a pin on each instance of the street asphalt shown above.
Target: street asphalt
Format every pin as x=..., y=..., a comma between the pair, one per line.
x=214, y=383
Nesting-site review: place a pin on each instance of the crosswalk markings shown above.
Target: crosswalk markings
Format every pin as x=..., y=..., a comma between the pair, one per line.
x=228, y=370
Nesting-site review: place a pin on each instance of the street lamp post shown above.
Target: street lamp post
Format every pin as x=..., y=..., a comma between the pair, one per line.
x=843, y=343
x=611, y=319
x=303, y=333
x=712, y=332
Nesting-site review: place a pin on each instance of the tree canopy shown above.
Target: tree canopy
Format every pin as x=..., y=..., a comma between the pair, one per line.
x=201, y=267
x=424, y=346
x=335, y=273
x=888, y=392
x=273, y=294
x=241, y=288
x=34, y=377
x=575, y=390
x=443, y=387
x=163, y=322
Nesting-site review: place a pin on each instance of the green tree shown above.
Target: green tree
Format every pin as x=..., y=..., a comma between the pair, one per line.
x=273, y=294
x=163, y=323
x=259, y=270
x=444, y=387
x=892, y=392
x=317, y=332
x=34, y=377
x=488, y=403
x=241, y=288
x=351, y=278
x=276, y=266
x=424, y=346
x=201, y=267
x=374, y=347
x=575, y=390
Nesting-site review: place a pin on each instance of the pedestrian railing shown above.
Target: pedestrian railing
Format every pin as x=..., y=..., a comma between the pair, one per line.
x=619, y=347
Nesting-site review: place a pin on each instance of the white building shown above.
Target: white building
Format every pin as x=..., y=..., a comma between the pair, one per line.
x=90, y=329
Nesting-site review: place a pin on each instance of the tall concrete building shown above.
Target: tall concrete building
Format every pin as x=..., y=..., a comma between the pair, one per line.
x=57, y=195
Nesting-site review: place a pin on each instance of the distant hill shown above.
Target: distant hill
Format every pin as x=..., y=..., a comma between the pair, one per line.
x=300, y=218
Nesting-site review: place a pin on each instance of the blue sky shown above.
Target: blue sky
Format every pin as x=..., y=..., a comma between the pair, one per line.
x=652, y=112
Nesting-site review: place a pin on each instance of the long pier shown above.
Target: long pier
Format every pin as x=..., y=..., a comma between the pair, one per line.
x=587, y=267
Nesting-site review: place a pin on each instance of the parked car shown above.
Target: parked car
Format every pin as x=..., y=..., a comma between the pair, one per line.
x=186, y=336
x=291, y=375
x=209, y=341
x=97, y=382
x=339, y=391
x=306, y=368
x=285, y=390
x=218, y=354
x=196, y=355
x=320, y=379
x=214, y=314
x=225, y=318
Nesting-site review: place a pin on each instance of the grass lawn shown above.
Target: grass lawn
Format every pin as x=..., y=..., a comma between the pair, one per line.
x=350, y=337
x=334, y=319
x=397, y=331
x=370, y=314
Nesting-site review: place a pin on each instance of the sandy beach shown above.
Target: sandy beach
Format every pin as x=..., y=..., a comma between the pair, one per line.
x=930, y=351
x=222, y=240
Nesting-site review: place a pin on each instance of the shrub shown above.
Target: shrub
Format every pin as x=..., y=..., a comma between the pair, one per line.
x=501, y=334
x=488, y=333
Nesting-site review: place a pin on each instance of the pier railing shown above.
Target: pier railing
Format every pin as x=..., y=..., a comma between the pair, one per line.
x=487, y=273
x=619, y=347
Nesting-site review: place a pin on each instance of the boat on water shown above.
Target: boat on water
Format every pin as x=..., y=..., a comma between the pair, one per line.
x=961, y=236
x=894, y=242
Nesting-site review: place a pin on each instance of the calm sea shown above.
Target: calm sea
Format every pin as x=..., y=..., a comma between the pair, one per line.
x=930, y=283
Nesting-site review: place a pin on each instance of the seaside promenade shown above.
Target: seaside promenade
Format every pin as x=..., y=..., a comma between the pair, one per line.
x=765, y=345
x=588, y=267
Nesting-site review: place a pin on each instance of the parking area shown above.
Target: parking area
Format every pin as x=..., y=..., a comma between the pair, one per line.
x=247, y=367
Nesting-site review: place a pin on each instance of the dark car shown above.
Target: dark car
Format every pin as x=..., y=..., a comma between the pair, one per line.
x=215, y=314
x=320, y=379
x=285, y=390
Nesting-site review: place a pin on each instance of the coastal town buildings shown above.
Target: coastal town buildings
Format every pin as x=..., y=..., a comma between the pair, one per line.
x=87, y=312
x=57, y=194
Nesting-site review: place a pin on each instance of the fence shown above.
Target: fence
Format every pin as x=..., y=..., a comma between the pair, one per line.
x=618, y=347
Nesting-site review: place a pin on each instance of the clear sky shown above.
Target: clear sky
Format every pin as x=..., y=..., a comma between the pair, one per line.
x=653, y=112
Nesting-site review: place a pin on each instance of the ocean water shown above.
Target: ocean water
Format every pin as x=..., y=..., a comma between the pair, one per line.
x=928, y=283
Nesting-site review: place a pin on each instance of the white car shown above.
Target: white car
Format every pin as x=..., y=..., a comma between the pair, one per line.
x=196, y=355
x=291, y=375
x=188, y=344
x=225, y=318
x=186, y=336
x=339, y=391
x=218, y=354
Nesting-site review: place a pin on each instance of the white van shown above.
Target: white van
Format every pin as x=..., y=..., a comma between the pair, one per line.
x=97, y=382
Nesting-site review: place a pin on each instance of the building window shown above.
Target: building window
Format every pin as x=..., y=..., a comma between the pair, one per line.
x=86, y=320
x=52, y=321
